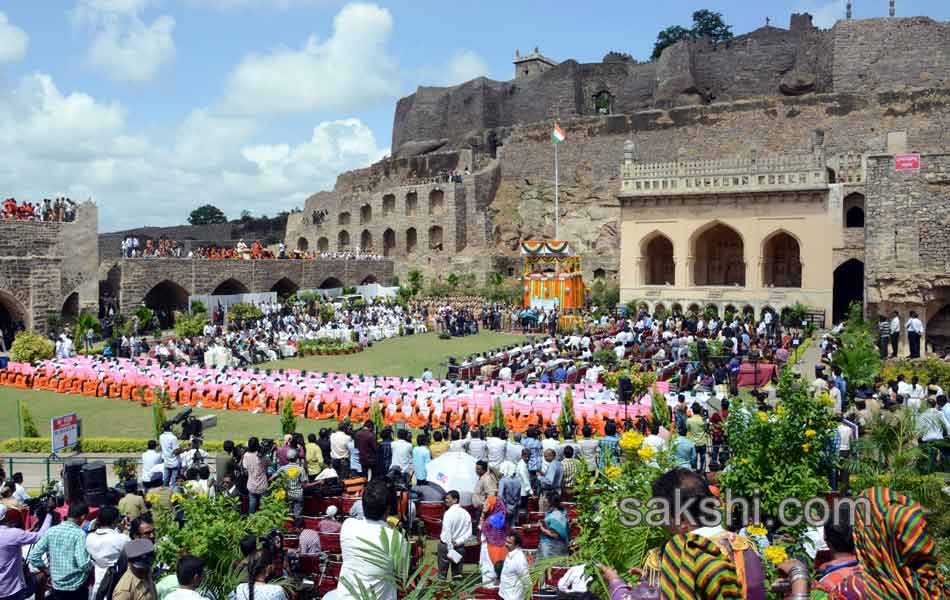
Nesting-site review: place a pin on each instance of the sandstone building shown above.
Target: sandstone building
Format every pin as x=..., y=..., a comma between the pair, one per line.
x=808, y=109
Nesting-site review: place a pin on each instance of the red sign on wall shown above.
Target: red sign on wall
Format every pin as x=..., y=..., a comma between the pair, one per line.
x=907, y=162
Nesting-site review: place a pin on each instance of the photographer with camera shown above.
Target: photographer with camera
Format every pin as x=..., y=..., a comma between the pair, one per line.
x=13, y=580
x=171, y=450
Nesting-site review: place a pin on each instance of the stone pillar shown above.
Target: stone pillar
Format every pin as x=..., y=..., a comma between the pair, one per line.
x=684, y=272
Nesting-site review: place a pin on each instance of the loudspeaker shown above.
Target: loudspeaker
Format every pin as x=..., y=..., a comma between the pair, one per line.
x=624, y=389
x=72, y=479
x=95, y=483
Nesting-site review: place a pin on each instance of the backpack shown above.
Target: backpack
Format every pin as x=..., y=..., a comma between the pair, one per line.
x=111, y=578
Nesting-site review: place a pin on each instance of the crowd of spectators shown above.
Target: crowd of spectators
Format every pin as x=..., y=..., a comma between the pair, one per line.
x=60, y=209
x=133, y=247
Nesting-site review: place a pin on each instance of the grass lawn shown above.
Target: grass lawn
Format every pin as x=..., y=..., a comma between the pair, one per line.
x=404, y=356
x=103, y=417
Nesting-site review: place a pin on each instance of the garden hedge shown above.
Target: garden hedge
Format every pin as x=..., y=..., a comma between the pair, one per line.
x=104, y=445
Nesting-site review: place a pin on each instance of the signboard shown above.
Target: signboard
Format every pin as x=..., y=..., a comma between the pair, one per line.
x=64, y=432
x=907, y=162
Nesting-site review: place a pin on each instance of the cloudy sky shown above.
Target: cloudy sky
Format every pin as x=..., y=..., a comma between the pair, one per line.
x=154, y=107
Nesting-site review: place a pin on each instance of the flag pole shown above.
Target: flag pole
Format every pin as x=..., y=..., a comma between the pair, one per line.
x=557, y=212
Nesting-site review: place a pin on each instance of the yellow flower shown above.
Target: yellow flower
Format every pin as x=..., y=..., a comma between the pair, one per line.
x=152, y=498
x=806, y=447
x=280, y=494
x=631, y=440
x=776, y=554
x=176, y=498
x=646, y=453
x=743, y=461
x=756, y=529
x=810, y=433
x=763, y=416
x=780, y=411
x=612, y=472
x=293, y=472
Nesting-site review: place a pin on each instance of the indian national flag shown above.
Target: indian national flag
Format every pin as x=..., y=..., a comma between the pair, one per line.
x=557, y=136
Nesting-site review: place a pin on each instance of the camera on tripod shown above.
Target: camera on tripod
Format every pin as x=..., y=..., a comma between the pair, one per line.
x=192, y=426
x=40, y=506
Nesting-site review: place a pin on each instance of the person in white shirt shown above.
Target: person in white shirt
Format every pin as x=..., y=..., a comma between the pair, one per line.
x=895, y=333
x=496, y=449
x=339, y=450
x=845, y=434
x=478, y=447
x=513, y=450
x=19, y=492
x=402, y=452
x=505, y=373
x=915, y=330
x=170, y=453
x=105, y=544
x=916, y=394
x=456, y=531
x=190, y=573
x=515, y=578
x=524, y=474
x=354, y=537
x=574, y=581
x=194, y=456
x=152, y=466
x=930, y=425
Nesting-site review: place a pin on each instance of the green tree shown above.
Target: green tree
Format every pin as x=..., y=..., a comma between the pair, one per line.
x=26, y=418
x=376, y=416
x=706, y=23
x=207, y=215
x=497, y=415
x=415, y=281
x=668, y=37
x=496, y=279
x=710, y=24
x=85, y=322
x=158, y=412
x=858, y=356
x=190, y=325
x=31, y=347
x=565, y=420
x=452, y=280
x=288, y=421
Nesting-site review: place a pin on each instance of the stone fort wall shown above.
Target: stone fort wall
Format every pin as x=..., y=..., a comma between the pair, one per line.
x=43, y=264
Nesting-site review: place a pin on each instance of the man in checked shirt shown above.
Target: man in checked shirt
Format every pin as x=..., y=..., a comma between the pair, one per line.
x=69, y=563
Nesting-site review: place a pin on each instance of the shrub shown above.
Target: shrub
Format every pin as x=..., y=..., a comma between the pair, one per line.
x=158, y=415
x=190, y=325
x=288, y=422
x=26, y=418
x=198, y=307
x=41, y=445
x=31, y=347
x=242, y=312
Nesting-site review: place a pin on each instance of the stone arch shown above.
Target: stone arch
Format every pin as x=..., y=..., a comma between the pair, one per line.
x=366, y=214
x=412, y=203
x=331, y=283
x=167, y=296
x=718, y=252
x=781, y=260
x=323, y=244
x=600, y=273
x=729, y=309
x=343, y=219
x=302, y=244
x=389, y=242
x=435, y=238
x=603, y=102
x=693, y=308
x=436, y=202
x=676, y=308
x=389, y=204
x=412, y=240
x=659, y=266
x=343, y=241
x=229, y=287
x=366, y=241
x=853, y=207
x=285, y=287
x=848, y=287
x=13, y=316
x=368, y=280
x=70, y=308
x=748, y=310
x=659, y=308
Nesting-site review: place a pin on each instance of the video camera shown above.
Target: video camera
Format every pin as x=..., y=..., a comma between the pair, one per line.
x=191, y=426
x=40, y=506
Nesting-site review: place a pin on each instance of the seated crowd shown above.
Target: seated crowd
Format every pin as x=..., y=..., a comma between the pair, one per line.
x=60, y=209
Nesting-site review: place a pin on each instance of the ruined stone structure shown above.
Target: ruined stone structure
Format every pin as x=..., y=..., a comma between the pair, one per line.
x=47, y=269
x=768, y=91
x=166, y=283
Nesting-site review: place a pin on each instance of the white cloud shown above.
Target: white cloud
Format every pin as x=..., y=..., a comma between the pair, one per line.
x=73, y=144
x=123, y=46
x=463, y=66
x=825, y=12
x=13, y=41
x=348, y=71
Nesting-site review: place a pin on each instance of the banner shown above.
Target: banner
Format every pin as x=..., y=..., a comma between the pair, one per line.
x=64, y=432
